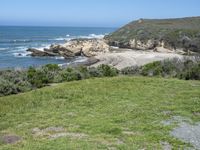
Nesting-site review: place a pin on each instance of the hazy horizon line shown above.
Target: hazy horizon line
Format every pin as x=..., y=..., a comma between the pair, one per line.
x=77, y=26
x=57, y=26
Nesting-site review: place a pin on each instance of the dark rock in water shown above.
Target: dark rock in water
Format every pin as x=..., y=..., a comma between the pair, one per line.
x=47, y=50
x=36, y=52
x=10, y=139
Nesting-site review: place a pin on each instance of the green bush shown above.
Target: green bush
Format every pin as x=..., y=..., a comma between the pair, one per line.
x=94, y=72
x=84, y=72
x=169, y=68
x=13, y=82
x=152, y=69
x=70, y=74
x=7, y=88
x=192, y=73
x=51, y=67
x=23, y=86
x=134, y=70
x=108, y=71
x=50, y=71
x=36, y=77
x=16, y=81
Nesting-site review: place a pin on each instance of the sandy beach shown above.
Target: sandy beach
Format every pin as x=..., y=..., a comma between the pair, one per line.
x=127, y=57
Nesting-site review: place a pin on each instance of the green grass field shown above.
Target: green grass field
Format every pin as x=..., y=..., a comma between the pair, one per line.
x=108, y=113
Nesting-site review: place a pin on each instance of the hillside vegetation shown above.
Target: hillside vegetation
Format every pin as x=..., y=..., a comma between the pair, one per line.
x=182, y=33
x=18, y=81
x=105, y=113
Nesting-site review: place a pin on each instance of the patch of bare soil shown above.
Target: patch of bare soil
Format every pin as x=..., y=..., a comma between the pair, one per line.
x=10, y=139
x=56, y=132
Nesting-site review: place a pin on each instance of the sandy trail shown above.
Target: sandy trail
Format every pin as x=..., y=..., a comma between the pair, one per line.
x=126, y=58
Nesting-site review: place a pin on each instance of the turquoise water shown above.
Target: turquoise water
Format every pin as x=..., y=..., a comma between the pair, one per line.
x=14, y=41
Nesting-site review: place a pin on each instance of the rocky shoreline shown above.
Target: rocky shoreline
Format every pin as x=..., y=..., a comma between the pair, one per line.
x=98, y=51
x=88, y=48
x=73, y=48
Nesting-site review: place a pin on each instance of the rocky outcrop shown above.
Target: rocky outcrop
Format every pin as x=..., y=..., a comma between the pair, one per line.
x=181, y=34
x=77, y=47
x=93, y=47
x=138, y=44
x=36, y=52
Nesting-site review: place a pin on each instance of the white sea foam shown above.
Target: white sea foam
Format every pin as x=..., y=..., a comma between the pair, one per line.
x=42, y=47
x=59, y=39
x=62, y=39
x=69, y=37
x=60, y=58
x=25, y=54
x=80, y=59
x=19, y=49
x=100, y=36
x=2, y=49
x=20, y=40
x=92, y=36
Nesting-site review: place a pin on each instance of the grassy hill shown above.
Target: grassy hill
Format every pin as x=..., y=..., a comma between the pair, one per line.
x=175, y=33
x=105, y=113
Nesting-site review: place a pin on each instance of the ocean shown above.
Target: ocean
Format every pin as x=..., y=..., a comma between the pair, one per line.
x=14, y=41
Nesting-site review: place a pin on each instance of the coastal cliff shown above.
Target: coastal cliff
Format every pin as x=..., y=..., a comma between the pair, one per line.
x=179, y=35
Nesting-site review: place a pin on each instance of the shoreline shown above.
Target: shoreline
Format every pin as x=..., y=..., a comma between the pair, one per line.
x=95, y=52
x=122, y=58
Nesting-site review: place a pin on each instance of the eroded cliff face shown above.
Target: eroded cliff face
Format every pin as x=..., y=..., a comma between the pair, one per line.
x=149, y=45
x=138, y=44
x=157, y=46
x=172, y=34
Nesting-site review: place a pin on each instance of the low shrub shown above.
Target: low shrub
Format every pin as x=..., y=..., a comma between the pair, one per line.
x=84, y=72
x=37, y=77
x=170, y=68
x=50, y=71
x=107, y=70
x=134, y=70
x=70, y=74
x=7, y=88
x=152, y=69
x=13, y=82
x=94, y=72
x=187, y=69
x=16, y=81
x=191, y=73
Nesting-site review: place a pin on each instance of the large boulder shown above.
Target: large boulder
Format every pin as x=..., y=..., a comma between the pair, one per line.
x=93, y=48
x=65, y=51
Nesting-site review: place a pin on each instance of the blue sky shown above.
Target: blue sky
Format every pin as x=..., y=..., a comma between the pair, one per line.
x=99, y=13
